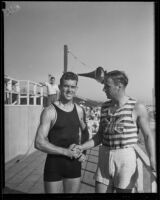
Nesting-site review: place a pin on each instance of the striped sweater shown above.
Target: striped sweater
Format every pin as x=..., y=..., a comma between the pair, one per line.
x=117, y=130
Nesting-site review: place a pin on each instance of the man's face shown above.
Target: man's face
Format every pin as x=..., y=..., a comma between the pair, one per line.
x=52, y=81
x=110, y=88
x=68, y=89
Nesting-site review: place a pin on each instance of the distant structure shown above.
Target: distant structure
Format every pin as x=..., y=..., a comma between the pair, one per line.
x=22, y=92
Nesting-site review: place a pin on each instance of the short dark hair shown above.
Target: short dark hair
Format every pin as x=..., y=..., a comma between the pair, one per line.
x=68, y=76
x=118, y=77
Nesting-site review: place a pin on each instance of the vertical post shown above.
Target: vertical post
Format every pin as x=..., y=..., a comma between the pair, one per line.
x=18, y=91
x=10, y=92
x=28, y=93
x=41, y=97
x=35, y=93
x=65, y=58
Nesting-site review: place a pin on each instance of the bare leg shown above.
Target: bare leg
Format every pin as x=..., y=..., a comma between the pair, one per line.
x=102, y=188
x=53, y=187
x=72, y=185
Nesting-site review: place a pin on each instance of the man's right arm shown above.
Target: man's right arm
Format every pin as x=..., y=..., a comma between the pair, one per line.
x=96, y=140
x=87, y=145
x=42, y=83
x=41, y=140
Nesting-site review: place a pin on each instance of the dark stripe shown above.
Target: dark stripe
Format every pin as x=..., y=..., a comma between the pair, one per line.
x=131, y=132
x=111, y=143
x=126, y=133
x=130, y=127
x=119, y=139
x=119, y=116
x=119, y=145
x=127, y=121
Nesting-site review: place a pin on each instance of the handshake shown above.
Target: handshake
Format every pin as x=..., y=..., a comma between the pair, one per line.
x=75, y=151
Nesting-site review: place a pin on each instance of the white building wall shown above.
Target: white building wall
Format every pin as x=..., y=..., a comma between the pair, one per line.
x=21, y=123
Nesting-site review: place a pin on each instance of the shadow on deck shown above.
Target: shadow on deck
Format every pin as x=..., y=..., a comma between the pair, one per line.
x=26, y=176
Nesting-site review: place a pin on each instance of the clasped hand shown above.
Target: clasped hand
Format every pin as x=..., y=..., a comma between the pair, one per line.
x=76, y=151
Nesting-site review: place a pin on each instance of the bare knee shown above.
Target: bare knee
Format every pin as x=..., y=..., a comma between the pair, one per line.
x=71, y=185
x=53, y=187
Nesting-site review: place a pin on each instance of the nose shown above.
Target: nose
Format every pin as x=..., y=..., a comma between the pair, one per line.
x=69, y=89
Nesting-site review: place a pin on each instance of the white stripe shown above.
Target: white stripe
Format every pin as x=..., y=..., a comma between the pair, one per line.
x=120, y=136
x=129, y=124
x=123, y=112
x=134, y=140
x=132, y=101
x=128, y=106
x=127, y=118
x=130, y=140
x=130, y=130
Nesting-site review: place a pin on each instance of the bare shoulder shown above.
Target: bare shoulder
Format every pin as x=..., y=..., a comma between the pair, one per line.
x=48, y=113
x=79, y=108
x=140, y=109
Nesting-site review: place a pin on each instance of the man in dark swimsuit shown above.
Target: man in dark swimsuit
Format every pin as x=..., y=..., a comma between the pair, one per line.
x=59, y=128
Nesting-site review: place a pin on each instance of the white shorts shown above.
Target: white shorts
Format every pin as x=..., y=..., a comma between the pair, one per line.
x=117, y=168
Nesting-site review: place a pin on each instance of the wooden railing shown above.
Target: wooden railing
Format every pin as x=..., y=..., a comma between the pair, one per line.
x=31, y=92
x=144, y=160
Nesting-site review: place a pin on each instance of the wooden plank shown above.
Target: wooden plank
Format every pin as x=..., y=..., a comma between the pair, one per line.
x=38, y=187
x=84, y=188
x=91, y=167
x=28, y=173
x=93, y=159
x=28, y=183
x=23, y=175
x=19, y=167
x=94, y=153
x=10, y=163
x=88, y=178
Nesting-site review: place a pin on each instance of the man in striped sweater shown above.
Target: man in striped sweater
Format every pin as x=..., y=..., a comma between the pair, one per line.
x=121, y=118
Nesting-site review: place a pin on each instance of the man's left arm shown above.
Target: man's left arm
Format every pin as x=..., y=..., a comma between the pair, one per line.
x=143, y=122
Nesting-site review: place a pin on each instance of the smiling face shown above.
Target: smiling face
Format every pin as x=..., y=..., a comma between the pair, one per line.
x=68, y=89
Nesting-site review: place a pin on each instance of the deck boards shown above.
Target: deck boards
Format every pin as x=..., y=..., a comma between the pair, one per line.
x=26, y=176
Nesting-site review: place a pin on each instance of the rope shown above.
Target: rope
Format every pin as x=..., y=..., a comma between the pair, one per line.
x=76, y=58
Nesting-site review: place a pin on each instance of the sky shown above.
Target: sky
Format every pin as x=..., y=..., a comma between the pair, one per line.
x=114, y=35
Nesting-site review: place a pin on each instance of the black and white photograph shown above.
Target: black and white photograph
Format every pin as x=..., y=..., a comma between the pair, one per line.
x=79, y=97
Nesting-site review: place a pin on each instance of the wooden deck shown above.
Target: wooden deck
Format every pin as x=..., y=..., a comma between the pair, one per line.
x=26, y=176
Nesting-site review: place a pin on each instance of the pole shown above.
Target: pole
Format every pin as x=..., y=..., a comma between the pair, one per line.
x=65, y=58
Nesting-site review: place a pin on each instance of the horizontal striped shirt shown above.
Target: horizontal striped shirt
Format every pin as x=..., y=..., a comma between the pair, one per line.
x=118, y=130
